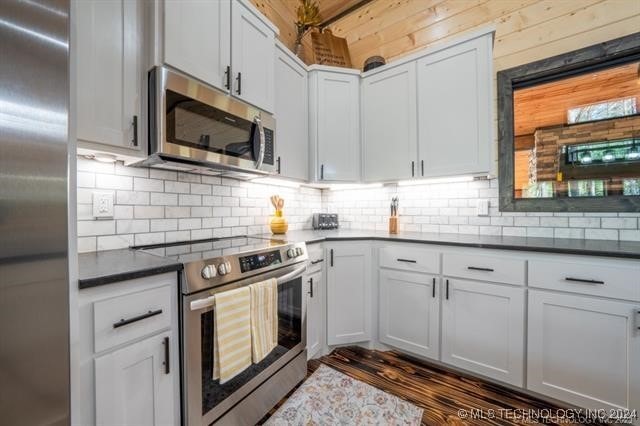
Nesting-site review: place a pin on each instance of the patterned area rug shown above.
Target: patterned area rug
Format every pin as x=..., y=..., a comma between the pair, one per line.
x=329, y=397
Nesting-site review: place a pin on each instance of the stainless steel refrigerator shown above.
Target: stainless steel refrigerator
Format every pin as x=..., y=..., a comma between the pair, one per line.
x=34, y=278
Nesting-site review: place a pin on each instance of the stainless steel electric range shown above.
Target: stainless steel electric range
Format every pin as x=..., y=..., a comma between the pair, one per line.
x=216, y=265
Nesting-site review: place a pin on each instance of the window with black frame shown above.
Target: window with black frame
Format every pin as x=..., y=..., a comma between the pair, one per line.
x=569, y=131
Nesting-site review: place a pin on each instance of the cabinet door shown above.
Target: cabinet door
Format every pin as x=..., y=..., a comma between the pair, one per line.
x=133, y=387
x=584, y=350
x=389, y=124
x=315, y=314
x=409, y=310
x=348, y=294
x=291, y=111
x=108, y=45
x=483, y=329
x=252, y=53
x=197, y=39
x=338, y=126
x=454, y=104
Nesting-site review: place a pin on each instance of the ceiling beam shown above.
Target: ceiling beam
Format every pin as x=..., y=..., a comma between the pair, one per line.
x=347, y=11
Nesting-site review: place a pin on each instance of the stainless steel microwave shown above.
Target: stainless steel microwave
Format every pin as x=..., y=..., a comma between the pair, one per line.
x=194, y=127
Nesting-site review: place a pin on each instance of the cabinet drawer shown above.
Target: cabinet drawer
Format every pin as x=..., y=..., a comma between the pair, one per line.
x=495, y=268
x=607, y=278
x=316, y=258
x=124, y=318
x=410, y=258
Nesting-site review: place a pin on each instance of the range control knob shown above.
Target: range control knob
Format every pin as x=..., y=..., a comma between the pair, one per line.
x=291, y=253
x=222, y=269
x=209, y=272
x=299, y=251
x=227, y=266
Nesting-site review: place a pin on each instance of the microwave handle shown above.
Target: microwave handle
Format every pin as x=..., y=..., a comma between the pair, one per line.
x=260, y=158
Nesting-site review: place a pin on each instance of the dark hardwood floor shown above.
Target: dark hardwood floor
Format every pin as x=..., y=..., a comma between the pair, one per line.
x=440, y=392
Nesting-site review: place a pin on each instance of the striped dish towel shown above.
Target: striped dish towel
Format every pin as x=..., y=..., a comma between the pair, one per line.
x=231, y=333
x=264, y=318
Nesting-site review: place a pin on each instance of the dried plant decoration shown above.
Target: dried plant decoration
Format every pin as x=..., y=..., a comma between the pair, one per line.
x=308, y=18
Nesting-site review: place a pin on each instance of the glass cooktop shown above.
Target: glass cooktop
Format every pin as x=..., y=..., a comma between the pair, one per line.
x=186, y=251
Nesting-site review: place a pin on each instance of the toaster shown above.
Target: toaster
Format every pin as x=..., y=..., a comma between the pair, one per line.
x=325, y=221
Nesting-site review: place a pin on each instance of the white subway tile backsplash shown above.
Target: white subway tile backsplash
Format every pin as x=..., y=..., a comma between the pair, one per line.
x=97, y=227
x=143, y=184
x=198, y=188
x=149, y=238
x=189, y=200
x=584, y=222
x=132, y=197
x=191, y=223
x=601, y=234
x=177, y=187
x=619, y=222
x=153, y=206
x=112, y=242
x=164, y=199
x=114, y=182
x=132, y=226
x=157, y=225
x=629, y=235
x=148, y=212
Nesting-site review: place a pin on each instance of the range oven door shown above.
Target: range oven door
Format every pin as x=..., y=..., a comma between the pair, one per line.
x=196, y=123
x=205, y=399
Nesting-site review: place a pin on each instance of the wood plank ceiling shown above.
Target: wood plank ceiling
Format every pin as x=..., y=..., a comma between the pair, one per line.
x=526, y=30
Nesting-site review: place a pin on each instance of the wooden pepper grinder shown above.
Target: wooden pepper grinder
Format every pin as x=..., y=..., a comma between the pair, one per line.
x=393, y=220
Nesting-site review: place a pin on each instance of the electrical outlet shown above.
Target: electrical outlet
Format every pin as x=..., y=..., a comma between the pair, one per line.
x=102, y=205
x=483, y=207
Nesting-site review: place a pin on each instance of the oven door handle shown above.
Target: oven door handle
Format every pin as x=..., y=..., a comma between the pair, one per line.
x=208, y=301
x=260, y=158
x=292, y=275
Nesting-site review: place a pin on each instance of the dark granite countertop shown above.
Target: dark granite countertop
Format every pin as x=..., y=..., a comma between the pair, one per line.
x=105, y=267
x=619, y=249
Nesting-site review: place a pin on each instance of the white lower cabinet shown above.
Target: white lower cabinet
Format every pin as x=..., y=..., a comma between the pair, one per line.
x=483, y=329
x=348, y=293
x=315, y=314
x=134, y=385
x=584, y=350
x=129, y=369
x=409, y=312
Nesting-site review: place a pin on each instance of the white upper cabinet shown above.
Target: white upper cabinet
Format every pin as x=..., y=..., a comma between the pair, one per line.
x=348, y=293
x=225, y=43
x=197, y=39
x=335, y=124
x=389, y=127
x=108, y=44
x=454, y=109
x=252, y=52
x=291, y=111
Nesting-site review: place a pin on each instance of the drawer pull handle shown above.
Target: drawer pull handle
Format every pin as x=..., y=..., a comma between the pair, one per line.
x=315, y=262
x=136, y=319
x=447, y=295
x=406, y=260
x=477, y=268
x=581, y=280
